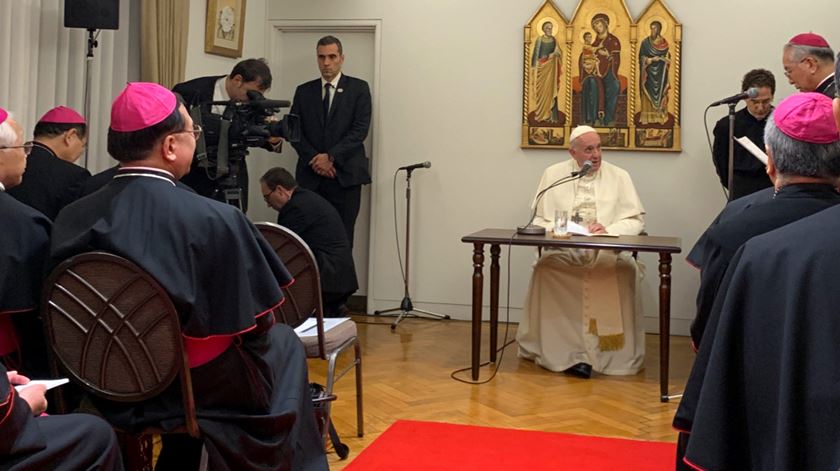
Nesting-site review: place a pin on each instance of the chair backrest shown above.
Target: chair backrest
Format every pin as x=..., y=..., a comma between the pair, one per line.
x=115, y=331
x=303, y=297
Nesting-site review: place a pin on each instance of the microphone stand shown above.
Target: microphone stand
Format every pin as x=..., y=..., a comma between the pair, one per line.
x=92, y=43
x=407, y=308
x=533, y=229
x=731, y=171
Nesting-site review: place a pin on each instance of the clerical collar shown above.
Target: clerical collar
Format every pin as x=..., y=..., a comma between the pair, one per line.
x=45, y=147
x=147, y=172
x=2, y=187
x=830, y=77
x=333, y=82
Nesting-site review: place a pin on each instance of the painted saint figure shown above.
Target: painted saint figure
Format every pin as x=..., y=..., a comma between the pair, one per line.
x=655, y=60
x=601, y=87
x=547, y=67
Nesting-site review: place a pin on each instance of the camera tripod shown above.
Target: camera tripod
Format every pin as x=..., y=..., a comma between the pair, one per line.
x=407, y=308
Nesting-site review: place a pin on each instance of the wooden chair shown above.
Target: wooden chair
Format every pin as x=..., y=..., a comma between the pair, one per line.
x=303, y=300
x=114, y=330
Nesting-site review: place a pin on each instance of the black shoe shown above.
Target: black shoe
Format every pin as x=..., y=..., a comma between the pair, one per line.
x=581, y=370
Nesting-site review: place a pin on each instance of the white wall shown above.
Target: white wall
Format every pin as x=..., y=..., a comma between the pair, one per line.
x=451, y=92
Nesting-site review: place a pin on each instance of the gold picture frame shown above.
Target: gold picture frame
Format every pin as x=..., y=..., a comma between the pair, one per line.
x=605, y=69
x=225, y=26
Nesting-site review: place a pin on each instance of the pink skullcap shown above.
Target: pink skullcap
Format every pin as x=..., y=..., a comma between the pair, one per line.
x=807, y=117
x=3, y=115
x=809, y=39
x=62, y=115
x=141, y=105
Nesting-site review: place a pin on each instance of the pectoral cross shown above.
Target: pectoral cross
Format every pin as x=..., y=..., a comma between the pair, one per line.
x=576, y=218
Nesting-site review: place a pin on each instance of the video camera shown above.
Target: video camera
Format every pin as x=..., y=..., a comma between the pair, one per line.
x=226, y=140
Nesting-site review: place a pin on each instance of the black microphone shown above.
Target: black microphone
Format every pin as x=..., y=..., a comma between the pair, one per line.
x=533, y=229
x=751, y=93
x=584, y=169
x=425, y=164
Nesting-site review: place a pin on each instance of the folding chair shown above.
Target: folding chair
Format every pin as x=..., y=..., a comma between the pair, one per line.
x=303, y=300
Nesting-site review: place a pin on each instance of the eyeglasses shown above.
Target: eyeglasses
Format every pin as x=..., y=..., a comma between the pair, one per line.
x=789, y=70
x=266, y=196
x=27, y=147
x=196, y=131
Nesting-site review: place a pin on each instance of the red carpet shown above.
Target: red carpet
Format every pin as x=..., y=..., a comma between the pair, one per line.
x=410, y=445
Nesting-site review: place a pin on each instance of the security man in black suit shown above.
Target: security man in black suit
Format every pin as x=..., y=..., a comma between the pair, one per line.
x=247, y=75
x=335, y=118
x=52, y=179
x=316, y=222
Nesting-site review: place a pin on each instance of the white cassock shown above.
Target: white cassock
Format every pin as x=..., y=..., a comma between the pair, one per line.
x=582, y=305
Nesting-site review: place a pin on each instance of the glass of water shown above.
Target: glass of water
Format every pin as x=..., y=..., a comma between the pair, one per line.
x=561, y=218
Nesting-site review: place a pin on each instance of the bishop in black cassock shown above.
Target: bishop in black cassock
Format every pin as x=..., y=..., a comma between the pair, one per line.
x=252, y=398
x=741, y=408
x=27, y=439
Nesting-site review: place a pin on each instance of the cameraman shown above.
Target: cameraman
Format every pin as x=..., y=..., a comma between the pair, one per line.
x=247, y=75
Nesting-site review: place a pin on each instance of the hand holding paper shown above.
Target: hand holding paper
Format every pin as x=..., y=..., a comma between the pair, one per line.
x=752, y=148
x=48, y=383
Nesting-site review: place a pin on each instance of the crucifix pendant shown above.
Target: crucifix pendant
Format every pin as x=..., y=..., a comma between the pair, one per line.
x=576, y=218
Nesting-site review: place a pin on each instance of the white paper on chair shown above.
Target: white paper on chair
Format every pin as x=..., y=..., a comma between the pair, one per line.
x=752, y=148
x=49, y=383
x=309, y=328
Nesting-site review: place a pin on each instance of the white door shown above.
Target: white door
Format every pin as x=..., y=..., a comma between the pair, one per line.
x=293, y=62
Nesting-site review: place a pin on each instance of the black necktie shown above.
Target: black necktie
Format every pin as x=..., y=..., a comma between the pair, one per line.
x=326, y=100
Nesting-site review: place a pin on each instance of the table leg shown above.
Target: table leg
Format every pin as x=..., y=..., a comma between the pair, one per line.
x=494, y=300
x=664, y=322
x=477, y=293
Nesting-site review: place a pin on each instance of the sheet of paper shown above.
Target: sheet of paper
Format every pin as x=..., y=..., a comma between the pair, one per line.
x=309, y=328
x=49, y=383
x=752, y=148
x=577, y=229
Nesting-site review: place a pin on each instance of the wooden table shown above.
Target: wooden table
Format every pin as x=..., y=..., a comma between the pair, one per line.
x=664, y=246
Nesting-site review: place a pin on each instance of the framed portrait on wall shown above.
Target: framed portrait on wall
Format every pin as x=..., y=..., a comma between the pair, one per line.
x=225, y=26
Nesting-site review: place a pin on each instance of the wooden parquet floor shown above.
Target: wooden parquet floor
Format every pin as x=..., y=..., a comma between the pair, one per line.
x=406, y=375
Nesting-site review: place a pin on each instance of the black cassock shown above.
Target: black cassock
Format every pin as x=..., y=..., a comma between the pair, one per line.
x=731, y=210
x=62, y=442
x=49, y=183
x=763, y=392
x=317, y=222
x=253, y=400
x=750, y=174
x=791, y=203
x=24, y=246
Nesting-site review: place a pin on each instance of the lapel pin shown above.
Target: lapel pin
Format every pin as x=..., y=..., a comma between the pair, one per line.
x=339, y=90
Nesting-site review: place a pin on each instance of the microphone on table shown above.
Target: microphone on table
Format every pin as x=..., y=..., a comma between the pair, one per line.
x=751, y=93
x=425, y=164
x=533, y=229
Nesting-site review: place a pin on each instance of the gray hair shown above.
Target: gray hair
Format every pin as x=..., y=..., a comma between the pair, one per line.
x=805, y=159
x=8, y=136
x=823, y=54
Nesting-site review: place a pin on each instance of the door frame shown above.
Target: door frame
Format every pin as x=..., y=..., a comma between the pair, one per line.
x=275, y=29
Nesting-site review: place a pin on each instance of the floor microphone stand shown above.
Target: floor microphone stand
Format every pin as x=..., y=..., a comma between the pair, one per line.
x=407, y=308
x=731, y=169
